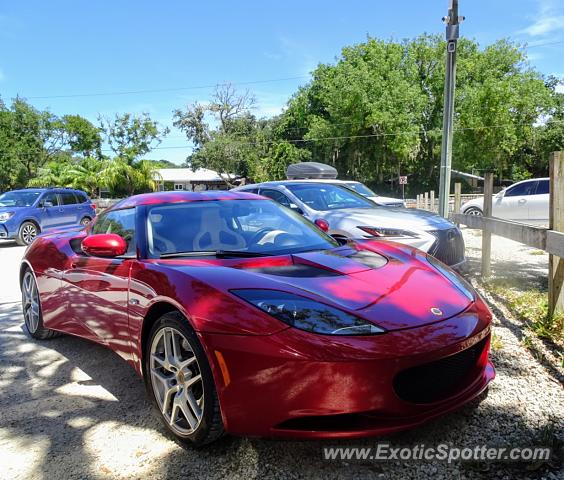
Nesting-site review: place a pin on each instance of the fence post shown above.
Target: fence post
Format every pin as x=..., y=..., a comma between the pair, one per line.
x=426, y=201
x=556, y=215
x=457, y=190
x=417, y=202
x=486, y=235
x=432, y=201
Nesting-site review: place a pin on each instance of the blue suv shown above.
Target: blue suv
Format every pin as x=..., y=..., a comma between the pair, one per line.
x=26, y=213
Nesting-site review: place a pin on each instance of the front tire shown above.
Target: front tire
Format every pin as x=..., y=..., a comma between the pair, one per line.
x=179, y=381
x=85, y=221
x=27, y=233
x=474, y=211
x=31, y=308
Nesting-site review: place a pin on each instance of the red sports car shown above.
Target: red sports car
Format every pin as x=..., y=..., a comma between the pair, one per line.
x=243, y=317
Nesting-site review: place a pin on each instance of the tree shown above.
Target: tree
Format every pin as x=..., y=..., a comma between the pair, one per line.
x=129, y=138
x=377, y=111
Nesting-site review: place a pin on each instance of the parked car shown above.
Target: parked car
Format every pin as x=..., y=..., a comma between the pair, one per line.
x=242, y=317
x=363, y=190
x=525, y=202
x=323, y=173
x=345, y=214
x=26, y=213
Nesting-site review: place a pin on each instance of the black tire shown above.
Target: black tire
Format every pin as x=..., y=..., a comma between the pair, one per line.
x=33, y=316
x=27, y=233
x=474, y=211
x=85, y=221
x=210, y=427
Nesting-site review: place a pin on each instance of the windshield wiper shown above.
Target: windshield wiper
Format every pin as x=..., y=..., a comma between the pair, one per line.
x=216, y=253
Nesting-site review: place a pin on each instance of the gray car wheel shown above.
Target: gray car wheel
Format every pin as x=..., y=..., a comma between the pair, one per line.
x=27, y=233
x=474, y=211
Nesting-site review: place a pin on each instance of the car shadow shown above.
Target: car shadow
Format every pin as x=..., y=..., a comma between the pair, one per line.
x=76, y=407
x=8, y=243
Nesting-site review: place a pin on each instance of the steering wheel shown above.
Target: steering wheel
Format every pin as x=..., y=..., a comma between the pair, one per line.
x=259, y=234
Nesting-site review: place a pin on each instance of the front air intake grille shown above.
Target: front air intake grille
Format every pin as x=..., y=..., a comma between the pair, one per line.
x=435, y=381
x=449, y=246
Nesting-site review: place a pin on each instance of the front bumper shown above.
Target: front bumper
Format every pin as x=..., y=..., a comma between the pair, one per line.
x=5, y=233
x=295, y=384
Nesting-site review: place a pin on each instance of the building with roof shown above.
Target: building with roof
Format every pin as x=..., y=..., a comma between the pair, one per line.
x=197, y=180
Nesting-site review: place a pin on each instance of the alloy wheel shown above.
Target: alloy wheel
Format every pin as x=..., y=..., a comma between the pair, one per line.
x=177, y=381
x=29, y=232
x=30, y=301
x=475, y=212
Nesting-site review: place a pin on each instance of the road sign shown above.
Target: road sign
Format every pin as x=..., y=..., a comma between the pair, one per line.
x=403, y=180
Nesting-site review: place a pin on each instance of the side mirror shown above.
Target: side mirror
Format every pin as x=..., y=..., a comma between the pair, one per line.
x=104, y=245
x=47, y=204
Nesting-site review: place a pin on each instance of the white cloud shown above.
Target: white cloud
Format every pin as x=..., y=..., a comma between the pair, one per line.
x=545, y=25
x=560, y=88
x=549, y=18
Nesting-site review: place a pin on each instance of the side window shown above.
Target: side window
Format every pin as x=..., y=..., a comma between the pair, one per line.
x=276, y=196
x=68, y=198
x=80, y=197
x=49, y=197
x=543, y=187
x=525, y=188
x=251, y=190
x=120, y=222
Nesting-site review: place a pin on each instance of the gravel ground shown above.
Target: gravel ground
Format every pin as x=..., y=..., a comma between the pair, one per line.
x=72, y=409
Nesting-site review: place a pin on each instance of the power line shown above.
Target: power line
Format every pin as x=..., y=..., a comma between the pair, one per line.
x=162, y=90
x=335, y=138
x=544, y=44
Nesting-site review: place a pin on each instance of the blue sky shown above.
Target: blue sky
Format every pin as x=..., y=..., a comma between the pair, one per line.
x=54, y=48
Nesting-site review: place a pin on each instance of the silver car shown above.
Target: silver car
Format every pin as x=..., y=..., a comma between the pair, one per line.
x=362, y=190
x=346, y=214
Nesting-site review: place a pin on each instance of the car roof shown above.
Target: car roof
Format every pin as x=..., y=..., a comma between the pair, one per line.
x=293, y=182
x=182, y=197
x=46, y=189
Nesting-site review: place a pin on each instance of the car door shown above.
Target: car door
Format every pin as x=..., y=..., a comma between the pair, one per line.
x=97, y=287
x=49, y=211
x=69, y=207
x=514, y=203
x=538, y=203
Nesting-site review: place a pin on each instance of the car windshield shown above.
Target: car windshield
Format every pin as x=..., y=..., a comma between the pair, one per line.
x=362, y=189
x=18, y=199
x=250, y=226
x=328, y=197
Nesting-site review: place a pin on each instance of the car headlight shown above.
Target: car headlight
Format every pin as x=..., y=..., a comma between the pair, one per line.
x=6, y=216
x=389, y=232
x=306, y=314
x=456, y=279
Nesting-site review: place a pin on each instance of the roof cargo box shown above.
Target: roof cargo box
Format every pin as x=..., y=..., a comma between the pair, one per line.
x=305, y=170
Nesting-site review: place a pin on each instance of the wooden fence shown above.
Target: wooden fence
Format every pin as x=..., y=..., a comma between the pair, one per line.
x=429, y=201
x=550, y=239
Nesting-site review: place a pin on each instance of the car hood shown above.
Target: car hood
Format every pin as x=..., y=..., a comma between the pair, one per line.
x=385, y=200
x=392, y=286
x=8, y=209
x=386, y=217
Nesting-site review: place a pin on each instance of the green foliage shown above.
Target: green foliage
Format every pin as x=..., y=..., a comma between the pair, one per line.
x=33, y=142
x=531, y=306
x=378, y=111
x=131, y=136
x=123, y=174
x=373, y=114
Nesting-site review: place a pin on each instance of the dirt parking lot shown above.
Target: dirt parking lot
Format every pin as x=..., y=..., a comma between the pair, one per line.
x=72, y=409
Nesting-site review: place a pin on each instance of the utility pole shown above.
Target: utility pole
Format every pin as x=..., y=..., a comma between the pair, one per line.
x=452, y=21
